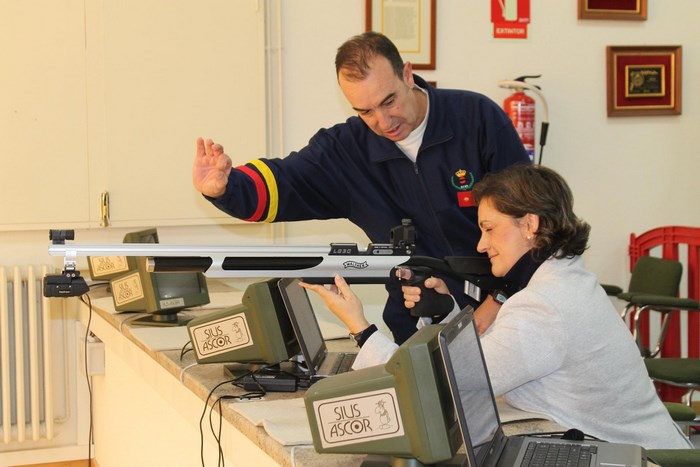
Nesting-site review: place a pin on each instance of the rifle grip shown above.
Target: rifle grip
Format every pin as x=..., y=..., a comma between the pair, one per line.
x=432, y=303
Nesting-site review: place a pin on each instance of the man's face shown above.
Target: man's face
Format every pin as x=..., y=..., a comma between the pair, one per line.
x=385, y=102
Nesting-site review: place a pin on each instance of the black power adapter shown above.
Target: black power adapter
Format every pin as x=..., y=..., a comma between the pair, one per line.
x=271, y=379
x=270, y=382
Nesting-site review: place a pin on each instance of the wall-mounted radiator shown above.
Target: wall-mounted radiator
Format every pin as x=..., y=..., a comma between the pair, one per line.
x=37, y=369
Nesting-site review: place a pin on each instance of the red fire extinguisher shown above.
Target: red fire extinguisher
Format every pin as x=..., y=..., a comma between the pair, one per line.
x=521, y=109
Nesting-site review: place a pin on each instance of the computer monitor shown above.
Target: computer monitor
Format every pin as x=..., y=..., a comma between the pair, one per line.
x=402, y=409
x=104, y=268
x=256, y=331
x=162, y=295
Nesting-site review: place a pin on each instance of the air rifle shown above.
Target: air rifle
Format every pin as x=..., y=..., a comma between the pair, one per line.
x=379, y=263
x=318, y=264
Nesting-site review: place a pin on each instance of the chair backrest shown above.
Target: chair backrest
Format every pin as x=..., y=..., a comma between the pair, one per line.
x=656, y=276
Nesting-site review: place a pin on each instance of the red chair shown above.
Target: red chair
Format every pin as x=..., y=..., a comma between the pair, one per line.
x=672, y=241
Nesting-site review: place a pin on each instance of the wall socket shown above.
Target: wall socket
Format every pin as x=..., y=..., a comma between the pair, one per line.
x=94, y=350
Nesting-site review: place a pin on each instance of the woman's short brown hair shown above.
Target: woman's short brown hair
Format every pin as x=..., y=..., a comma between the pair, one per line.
x=522, y=189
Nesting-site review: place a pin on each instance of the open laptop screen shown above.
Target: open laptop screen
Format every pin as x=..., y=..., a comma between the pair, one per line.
x=469, y=383
x=304, y=321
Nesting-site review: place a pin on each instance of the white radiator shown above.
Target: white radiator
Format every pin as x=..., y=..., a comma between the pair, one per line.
x=37, y=367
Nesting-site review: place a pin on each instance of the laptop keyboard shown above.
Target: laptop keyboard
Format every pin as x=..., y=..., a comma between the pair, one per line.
x=557, y=454
x=343, y=362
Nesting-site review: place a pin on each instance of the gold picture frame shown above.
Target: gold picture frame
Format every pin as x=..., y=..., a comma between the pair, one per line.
x=643, y=80
x=410, y=24
x=613, y=9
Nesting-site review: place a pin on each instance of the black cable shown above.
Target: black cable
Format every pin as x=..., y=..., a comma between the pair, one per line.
x=184, y=349
x=201, y=431
x=87, y=377
x=250, y=395
x=554, y=434
x=217, y=436
x=254, y=394
x=216, y=433
x=85, y=298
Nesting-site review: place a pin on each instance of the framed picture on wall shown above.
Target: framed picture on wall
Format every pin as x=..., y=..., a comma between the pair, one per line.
x=410, y=24
x=643, y=80
x=613, y=9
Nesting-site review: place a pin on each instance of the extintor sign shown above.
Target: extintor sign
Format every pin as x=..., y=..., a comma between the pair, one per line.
x=359, y=418
x=510, y=18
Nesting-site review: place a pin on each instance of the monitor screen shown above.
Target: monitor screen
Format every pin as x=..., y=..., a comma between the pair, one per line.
x=469, y=385
x=142, y=236
x=304, y=322
x=170, y=286
x=256, y=331
x=402, y=409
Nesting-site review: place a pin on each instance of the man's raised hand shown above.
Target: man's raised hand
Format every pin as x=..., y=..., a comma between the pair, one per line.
x=211, y=168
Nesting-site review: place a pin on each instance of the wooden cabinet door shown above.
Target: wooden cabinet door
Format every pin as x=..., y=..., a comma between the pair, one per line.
x=44, y=175
x=173, y=71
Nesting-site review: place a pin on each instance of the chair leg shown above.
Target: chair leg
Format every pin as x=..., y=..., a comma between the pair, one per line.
x=689, y=397
x=665, y=319
x=625, y=311
x=689, y=401
x=636, y=333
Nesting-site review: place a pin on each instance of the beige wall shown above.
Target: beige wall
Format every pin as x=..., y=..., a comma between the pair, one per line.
x=628, y=174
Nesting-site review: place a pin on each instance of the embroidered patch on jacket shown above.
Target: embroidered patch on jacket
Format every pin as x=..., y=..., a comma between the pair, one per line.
x=463, y=182
x=465, y=199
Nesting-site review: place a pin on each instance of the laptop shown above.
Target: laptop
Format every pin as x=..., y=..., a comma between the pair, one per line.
x=475, y=406
x=320, y=363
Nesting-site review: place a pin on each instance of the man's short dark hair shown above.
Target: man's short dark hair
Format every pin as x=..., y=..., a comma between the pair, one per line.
x=354, y=55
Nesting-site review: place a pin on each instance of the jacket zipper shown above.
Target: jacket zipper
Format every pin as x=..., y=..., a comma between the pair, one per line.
x=432, y=209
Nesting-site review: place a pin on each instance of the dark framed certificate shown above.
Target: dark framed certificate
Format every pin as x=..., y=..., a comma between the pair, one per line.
x=643, y=80
x=613, y=9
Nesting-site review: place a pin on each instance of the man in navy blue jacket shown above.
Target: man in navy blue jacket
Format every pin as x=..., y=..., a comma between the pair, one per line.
x=412, y=152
